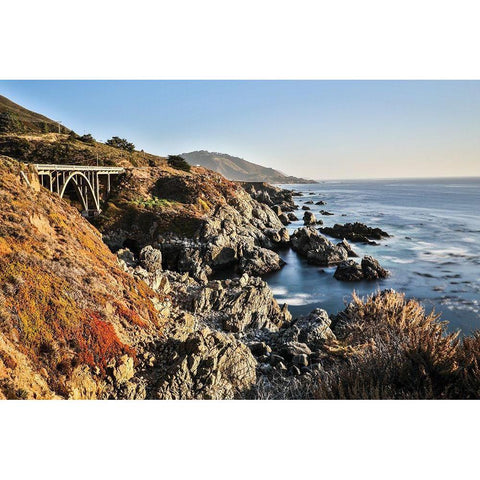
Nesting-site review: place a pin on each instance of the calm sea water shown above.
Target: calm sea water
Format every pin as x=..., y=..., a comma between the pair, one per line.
x=433, y=255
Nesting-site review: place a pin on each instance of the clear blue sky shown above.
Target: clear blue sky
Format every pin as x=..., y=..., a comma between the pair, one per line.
x=318, y=129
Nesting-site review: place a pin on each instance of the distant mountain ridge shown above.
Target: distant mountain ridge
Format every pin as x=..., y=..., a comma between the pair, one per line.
x=235, y=168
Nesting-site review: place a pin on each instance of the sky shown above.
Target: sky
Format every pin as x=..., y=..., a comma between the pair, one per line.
x=315, y=129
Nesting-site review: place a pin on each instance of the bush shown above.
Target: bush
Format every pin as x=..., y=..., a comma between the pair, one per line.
x=87, y=138
x=9, y=123
x=121, y=143
x=178, y=162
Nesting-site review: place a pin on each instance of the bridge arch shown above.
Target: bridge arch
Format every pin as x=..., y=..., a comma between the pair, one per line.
x=83, y=188
x=86, y=179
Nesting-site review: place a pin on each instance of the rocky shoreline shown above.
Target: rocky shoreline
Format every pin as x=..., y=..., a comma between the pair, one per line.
x=238, y=314
x=177, y=307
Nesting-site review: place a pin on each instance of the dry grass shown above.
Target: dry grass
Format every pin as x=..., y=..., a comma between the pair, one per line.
x=388, y=347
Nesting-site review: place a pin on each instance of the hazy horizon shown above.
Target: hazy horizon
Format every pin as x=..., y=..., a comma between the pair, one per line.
x=324, y=130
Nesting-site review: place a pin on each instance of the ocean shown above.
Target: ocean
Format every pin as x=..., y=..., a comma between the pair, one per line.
x=433, y=254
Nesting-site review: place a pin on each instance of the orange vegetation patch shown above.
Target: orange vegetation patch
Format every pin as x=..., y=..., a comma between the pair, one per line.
x=98, y=342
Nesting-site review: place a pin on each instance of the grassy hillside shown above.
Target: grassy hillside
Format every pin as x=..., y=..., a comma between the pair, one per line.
x=69, y=313
x=17, y=119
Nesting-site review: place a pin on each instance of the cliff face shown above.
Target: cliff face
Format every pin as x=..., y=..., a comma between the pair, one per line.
x=73, y=323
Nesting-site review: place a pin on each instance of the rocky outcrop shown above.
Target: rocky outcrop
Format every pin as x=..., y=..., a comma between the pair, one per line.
x=206, y=365
x=369, y=269
x=316, y=248
x=295, y=349
x=280, y=199
x=199, y=221
x=234, y=305
x=355, y=232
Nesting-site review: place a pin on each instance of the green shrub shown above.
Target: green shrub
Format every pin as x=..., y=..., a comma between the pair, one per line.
x=178, y=162
x=121, y=143
x=87, y=138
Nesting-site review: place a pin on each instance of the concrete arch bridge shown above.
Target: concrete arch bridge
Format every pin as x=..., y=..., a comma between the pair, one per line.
x=90, y=183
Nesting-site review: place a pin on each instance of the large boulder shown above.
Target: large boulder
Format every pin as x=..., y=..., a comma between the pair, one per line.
x=151, y=259
x=207, y=365
x=258, y=261
x=369, y=269
x=316, y=248
x=349, y=271
x=372, y=269
x=284, y=218
x=314, y=328
x=309, y=218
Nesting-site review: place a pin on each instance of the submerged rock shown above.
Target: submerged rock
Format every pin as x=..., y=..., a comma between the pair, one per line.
x=356, y=232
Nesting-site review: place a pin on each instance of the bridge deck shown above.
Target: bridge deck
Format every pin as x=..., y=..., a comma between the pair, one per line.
x=43, y=168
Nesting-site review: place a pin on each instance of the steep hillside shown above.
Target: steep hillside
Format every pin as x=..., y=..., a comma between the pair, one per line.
x=17, y=119
x=74, y=325
x=235, y=168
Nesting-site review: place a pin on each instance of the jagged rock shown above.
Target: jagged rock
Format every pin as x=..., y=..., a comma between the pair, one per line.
x=126, y=256
x=369, y=269
x=236, y=305
x=372, y=269
x=284, y=218
x=277, y=209
x=314, y=328
x=279, y=238
x=355, y=232
x=151, y=259
x=259, y=261
x=297, y=348
x=347, y=247
x=260, y=348
x=321, y=202
x=284, y=237
x=309, y=202
x=309, y=218
x=292, y=217
x=207, y=365
x=276, y=196
x=324, y=212
x=349, y=271
x=304, y=207
x=318, y=249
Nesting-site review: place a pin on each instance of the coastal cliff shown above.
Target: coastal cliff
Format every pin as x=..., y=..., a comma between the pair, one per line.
x=161, y=295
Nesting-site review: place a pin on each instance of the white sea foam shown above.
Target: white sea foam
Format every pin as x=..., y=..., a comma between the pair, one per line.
x=279, y=290
x=299, y=299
